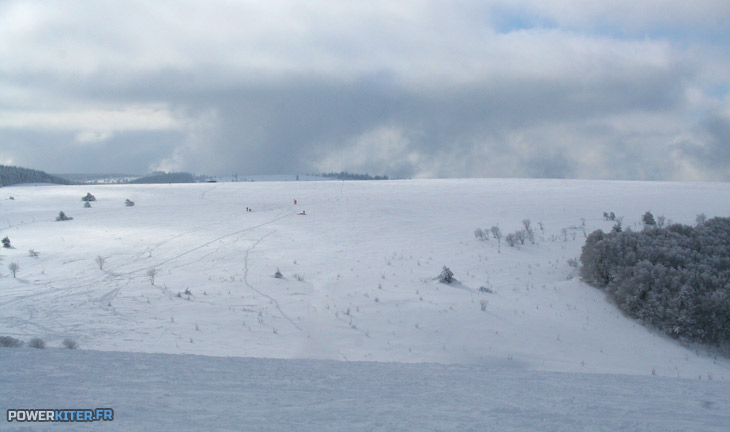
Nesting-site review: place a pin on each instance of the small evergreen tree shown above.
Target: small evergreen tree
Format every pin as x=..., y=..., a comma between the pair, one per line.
x=62, y=217
x=648, y=219
x=446, y=276
x=6, y=242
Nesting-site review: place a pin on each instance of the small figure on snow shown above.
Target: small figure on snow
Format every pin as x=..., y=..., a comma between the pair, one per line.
x=295, y=202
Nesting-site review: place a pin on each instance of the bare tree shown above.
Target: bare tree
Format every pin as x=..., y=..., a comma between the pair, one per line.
x=100, y=260
x=151, y=273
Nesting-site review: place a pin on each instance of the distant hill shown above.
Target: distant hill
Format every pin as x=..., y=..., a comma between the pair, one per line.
x=163, y=177
x=98, y=178
x=10, y=175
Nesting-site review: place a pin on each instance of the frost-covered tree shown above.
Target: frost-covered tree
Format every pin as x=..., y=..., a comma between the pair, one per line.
x=100, y=260
x=88, y=197
x=674, y=278
x=700, y=219
x=529, y=232
x=481, y=234
x=6, y=242
x=13, y=267
x=151, y=273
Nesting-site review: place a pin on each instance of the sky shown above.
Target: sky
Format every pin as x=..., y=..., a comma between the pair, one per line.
x=636, y=90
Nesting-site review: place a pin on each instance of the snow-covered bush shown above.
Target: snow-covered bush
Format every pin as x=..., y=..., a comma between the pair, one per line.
x=33, y=253
x=37, y=343
x=88, y=197
x=480, y=234
x=87, y=204
x=70, y=343
x=6, y=242
x=278, y=274
x=129, y=203
x=446, y=276
x=100, y=260
x=62, y=217
x=10, y=342
x=673, y=278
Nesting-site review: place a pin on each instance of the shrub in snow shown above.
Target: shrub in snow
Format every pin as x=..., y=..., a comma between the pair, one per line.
x=10, y=342
x=481, y=234
x=496, y=232
x=37, y=343
x=609, y=216
x=485, y=290
x=32, y=253
x=446, y=276
x=483, y=304
x=88, y=197
x=13, y=267
x=62, y=217
x=100, y=260
x=151, y=273
x=511, y=239
x=87, y=204
x=278, y=274
x=529, y=232
x=70, y=344
x=673, y=278
x=6, y=242
x=128, y=203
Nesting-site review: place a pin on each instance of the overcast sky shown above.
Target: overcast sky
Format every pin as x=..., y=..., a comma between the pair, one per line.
x=626, y=89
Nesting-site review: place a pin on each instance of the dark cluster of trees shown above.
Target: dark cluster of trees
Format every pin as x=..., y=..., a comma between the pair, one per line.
x=676, y=279
x=163, y=177
x=344, y=175
x=10, y=175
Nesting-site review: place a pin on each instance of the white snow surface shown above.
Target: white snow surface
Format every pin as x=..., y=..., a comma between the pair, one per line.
x=358, y=311
x=162, y=392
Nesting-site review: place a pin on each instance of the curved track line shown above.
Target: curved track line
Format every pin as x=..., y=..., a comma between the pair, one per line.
x=245, y=280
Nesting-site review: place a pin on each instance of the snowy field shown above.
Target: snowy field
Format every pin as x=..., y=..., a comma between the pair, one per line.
x=358, y=285
x=161, y=392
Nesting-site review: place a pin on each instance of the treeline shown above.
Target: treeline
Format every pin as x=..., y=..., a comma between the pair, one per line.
x=163, y=177
x=344, y=175
x=676, y=279
x=10, y=175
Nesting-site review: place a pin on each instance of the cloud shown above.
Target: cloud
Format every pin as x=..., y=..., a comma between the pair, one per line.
x=413, y=88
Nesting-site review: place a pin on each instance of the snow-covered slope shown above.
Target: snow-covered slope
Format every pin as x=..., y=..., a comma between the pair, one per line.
x=358, y=271
x=160, y=392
